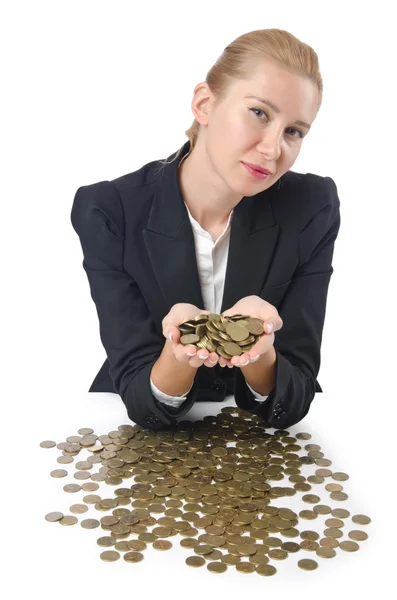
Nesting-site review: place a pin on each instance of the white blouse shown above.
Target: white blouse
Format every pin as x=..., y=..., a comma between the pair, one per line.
x=211, y=262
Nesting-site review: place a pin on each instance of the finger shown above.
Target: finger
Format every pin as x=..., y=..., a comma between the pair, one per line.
x=199, y=359
x=172, y=333
x=211, y=360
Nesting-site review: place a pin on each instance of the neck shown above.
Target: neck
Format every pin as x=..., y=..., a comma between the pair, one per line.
x=204, y=191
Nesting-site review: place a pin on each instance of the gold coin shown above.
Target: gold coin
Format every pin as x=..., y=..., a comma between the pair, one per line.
x=137, y=545
x=308, y=514
x=334, y=523
x=106, y=541
x=71, y=488
x=333, y=487
x=230, y=559
x=58, y=473
x=162, y=545
x=309, y=535
x=333, y=532
x=303, y=436
x=203, y=549
x=89, y=486
x=349, y=546
x=340, y=513
x=323, y=472
x=322, y=509
x=52, y=517
x=122, y=546
x=110, y=555
x=81, y=475
x=340, y=476
x=339, y=496
x=78, y=509
x=146, y=537
x=64, y=460
x=216, y=567
x=189, y=543
x=309, y=545
x=311, y=498
x=68, y=520
x=195, y=561
x=85, y=431
x=277, y=554
x=91, y=499
x=133, y=557
x=325, y=552
x=89, y=523
x=357, y=535
x=266, y=570
x=307, y=565
x=47, y=444
x=290, y=546
x=361, y=519
x=247, y=567
x=329, y=542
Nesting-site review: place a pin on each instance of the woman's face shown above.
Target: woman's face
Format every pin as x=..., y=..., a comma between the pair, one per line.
x=242, y=129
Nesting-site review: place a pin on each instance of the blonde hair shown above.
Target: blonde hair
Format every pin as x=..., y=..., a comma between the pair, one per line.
x=245, y=53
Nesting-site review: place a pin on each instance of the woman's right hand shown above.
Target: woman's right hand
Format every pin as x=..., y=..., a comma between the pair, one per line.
x=195, y=357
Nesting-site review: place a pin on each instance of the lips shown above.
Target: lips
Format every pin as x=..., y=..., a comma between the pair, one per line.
x=259, y=168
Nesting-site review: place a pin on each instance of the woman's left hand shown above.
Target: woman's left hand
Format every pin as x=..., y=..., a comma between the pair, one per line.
x=254, y=306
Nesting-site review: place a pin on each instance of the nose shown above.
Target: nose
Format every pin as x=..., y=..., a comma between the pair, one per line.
x=270, y=145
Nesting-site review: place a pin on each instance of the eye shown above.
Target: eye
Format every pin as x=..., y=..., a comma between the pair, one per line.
x=290, y=128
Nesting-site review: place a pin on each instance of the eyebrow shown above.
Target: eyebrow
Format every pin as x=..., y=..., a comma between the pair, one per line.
x=277, y=110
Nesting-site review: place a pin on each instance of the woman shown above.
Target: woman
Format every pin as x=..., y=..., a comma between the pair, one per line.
x=205, y=232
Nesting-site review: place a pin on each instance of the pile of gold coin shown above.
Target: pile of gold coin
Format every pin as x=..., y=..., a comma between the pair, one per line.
x=210, y=484
x=227, y=336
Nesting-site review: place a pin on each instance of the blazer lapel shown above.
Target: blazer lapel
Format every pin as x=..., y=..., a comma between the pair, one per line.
x=170, y=245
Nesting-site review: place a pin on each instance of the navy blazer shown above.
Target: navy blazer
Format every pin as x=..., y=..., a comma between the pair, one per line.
x=139, y=257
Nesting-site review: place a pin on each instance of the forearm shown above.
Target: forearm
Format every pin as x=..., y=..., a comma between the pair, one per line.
x=171, y=376
x=261, y=375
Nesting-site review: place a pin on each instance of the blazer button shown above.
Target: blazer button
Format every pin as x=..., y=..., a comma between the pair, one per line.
x=217, y=384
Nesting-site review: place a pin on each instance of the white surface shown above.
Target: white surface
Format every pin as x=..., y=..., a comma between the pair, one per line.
x=66, y=559
x=94, y=90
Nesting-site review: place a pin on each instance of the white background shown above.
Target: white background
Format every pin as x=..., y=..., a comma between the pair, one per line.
x=94, y=90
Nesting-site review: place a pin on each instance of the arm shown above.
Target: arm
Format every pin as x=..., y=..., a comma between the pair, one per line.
x=297, y=344
x=127, y=331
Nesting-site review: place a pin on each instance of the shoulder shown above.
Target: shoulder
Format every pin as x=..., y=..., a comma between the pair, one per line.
x=302, y=196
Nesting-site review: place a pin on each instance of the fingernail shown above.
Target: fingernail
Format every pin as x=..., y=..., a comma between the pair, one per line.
x=244, y=364
x=254, y=357
x=222, y=366
x=170, y=336
x=201, y=356
x=269, y=327
x=194, y=354
x=213, y=361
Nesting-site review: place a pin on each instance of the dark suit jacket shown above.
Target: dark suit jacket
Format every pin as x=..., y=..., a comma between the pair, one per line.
x=139, y=256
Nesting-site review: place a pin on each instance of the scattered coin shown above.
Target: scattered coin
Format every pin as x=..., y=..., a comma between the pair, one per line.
x=53, y=516
x=361, y=519
x=68, y=520
x=216, y=567
x=162, y=545
x=58, y=473
x=110, y=555
x=47, y=444
x=89, y=523
x=195, y=561
x=349, y=546
x=266, y=570
x=357, y=535
x=71, y=488
x=213, y=483
x=307, y=564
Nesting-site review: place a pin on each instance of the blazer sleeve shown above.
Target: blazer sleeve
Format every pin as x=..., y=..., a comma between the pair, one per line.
x=126, y=328
x=298, y=342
